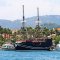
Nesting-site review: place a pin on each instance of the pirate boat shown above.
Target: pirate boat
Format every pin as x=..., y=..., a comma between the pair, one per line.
x=35, y=43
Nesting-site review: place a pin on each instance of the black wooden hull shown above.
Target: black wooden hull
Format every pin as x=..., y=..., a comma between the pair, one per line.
x=32, y=48
x=34, y=45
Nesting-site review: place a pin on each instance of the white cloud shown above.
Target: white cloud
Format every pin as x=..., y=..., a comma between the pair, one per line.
x=12, y=9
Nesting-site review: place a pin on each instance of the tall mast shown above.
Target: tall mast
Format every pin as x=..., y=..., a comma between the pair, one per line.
x=38, y=17
x=23, y=22
x=23, y=25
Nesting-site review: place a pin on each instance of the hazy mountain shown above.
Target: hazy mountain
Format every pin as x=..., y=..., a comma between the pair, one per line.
x=49, y=21
x=51, y=25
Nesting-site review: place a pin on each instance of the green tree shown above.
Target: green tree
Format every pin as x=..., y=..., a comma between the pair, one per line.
x=7, y=31
x=2, y=40
x=46, y=31
x=57, y=39
x=1, y=30
x=38, y=32
x=30, y=32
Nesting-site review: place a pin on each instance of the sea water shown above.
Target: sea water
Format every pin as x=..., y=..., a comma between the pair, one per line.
x=29, y=55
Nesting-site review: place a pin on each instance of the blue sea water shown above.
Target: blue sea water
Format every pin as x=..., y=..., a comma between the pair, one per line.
x=29, y=55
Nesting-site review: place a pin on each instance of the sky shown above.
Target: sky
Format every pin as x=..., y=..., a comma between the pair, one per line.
x=12, y=9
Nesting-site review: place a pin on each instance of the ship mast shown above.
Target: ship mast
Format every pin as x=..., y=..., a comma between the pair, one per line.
x=23, y=22
x=37, y=25
x=38, y=29
x=23, y=31
x=38, y=17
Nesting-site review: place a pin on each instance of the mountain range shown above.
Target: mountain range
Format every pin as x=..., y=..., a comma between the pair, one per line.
x=49, y=21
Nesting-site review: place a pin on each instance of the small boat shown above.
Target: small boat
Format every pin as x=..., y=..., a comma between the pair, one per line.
x=58, y=46
x=8, y=46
